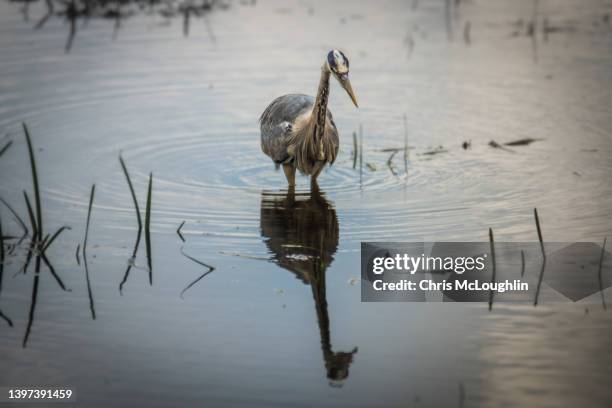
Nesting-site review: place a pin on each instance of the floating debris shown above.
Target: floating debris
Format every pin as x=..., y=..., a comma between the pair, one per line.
x=393, y=149
x=438, y=150
x=496, y=145
x=522, y=142
x=239, y=255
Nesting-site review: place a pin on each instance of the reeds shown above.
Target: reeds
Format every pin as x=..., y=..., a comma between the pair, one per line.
x=2, y=257
x=599, y=275
x=390, y=163
x=38, y=245
x=32, y=304
x=209, y=267
x=17, y=218
x=54, y=236
x=138, y=219
x=33, y=223
x=493, y=266
x=39, y=221
x=147, y=226
x=537, y=222
x=405, y=144
x=355, y=149
x=89, y=291
x=43, y=20
x=132, y=192
x=148, y=229
x=178, y=231
x=5, y=147
x=360, y=153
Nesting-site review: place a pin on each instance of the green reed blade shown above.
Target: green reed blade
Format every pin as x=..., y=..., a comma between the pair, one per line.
x=17, y=217
x=35, y=235
x=199, y=278
x=89, y=290
x=91, y=199
x=129, y=181
x=148, y=228
x=35, y=182
x=5, y=147
x=55, y=235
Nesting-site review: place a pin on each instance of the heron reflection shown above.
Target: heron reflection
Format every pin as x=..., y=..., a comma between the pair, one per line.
x=301, y=231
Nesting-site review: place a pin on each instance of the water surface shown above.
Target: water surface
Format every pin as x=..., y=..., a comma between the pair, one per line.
x=279, y=321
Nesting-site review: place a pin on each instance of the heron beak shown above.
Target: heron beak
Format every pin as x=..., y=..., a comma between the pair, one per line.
x=346, y=84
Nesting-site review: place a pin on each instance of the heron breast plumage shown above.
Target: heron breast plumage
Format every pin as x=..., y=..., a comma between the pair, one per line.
x=282, y=125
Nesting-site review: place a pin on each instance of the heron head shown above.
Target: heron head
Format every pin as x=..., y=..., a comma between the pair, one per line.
x=338, y=65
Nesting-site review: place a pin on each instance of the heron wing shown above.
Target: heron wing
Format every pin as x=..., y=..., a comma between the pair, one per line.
x=277, y=122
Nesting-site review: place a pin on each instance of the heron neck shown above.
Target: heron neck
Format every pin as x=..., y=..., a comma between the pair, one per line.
x=319, y=111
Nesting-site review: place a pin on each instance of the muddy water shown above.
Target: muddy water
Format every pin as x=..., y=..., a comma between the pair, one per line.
x=279, y=321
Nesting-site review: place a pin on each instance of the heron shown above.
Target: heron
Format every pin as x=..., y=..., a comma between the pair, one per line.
x=302, y=232
x=298, y=131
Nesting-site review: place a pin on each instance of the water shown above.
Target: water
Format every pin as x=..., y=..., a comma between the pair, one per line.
x=270, y=326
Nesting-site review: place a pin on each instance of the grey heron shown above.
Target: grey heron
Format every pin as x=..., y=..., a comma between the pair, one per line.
x=302, y=232
x=298, y=131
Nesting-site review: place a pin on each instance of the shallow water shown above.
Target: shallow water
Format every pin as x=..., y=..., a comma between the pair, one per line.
x=269, y=325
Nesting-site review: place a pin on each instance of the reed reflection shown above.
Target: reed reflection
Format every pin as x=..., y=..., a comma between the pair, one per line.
x=301, y=231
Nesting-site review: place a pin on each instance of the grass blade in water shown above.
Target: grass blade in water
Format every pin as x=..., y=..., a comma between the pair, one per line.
x=537, y=222
x=17, y=217
x=32, y=303
x=210, y=269
x=5, y=147
x=178, y=231
x=599, y=276
x=138, y=218
x=32, y=218
x=1, y=254
x=35, y=182
x=129, y=181
x=92, y=307
x=59, y=281
x=492, y=245
x=148, y=229
x=57, y=233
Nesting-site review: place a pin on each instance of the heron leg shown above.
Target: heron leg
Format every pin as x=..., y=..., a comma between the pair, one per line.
x=289, y=170
x=317, y=171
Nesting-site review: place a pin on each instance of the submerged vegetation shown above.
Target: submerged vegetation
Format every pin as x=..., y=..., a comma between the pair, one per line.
x=147, y=225
x=40, y=242
x=89, y=291
x=78, y=12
